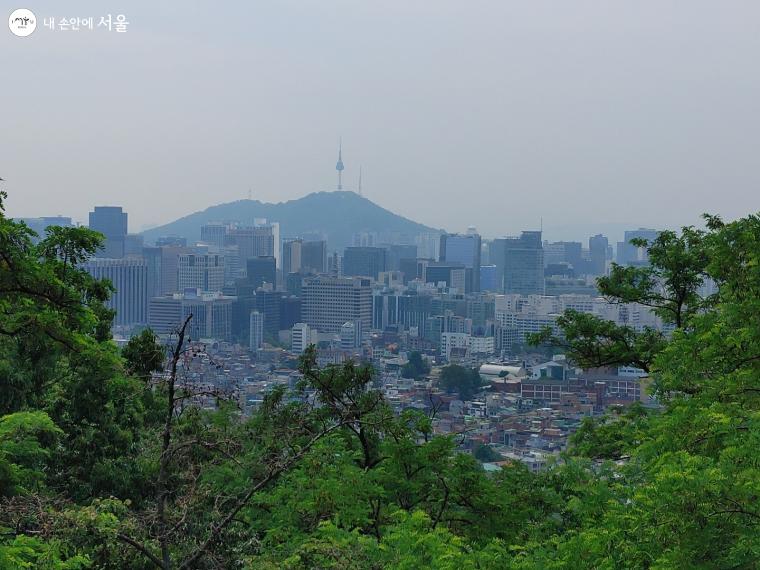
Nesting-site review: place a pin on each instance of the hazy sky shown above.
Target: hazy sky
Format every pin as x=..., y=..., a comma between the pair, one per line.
x=487, y=113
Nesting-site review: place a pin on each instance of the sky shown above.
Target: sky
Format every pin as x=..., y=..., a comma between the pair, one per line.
x=572, y=115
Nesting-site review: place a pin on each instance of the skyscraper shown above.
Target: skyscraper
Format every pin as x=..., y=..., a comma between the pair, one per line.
x=204, y=272
x=291, y=256
x=112, y=223
x=351, y=335
x=129, y=276
x=253, y=241
x=212, y=314
x=364, y=261
x=40, y=225
x=329, y=302
x=597, y=247
x=301, y=336
x=629, y=254
x=257, y=330
x=524, y=264
x=464, y=249
x=314, y=256
x=262, y=269
x=214, y=233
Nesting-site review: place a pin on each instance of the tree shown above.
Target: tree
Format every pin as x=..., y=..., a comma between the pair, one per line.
x=669, y=285
x=144, y=355
x=464, y=381
x=416, y=366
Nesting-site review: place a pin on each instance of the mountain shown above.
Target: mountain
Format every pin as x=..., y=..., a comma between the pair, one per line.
x=337, y=215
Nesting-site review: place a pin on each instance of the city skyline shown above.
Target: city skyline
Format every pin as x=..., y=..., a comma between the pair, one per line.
x=506, y=110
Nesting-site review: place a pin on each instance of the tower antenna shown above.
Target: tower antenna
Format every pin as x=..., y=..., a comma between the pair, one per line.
x=360, y=180
x=339, y=164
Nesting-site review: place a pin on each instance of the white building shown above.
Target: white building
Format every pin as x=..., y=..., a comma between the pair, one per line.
x=257, y=330
x=301, y=336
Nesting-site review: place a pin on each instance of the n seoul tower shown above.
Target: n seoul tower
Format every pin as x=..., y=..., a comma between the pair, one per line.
x=339, y=164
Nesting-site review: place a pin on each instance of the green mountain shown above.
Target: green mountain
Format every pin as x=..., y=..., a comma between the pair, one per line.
x=337, y=215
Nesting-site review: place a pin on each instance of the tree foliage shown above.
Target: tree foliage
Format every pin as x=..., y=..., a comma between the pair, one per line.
x=106, y=463
x=460, y=380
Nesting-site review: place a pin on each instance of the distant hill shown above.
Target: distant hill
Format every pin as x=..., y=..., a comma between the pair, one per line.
x=337, y=215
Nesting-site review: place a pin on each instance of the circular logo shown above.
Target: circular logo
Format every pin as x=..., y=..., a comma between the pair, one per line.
x=22, y=22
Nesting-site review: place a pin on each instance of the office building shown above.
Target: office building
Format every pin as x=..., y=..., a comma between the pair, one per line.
x=268, y=303
x=260, y=270
x=598, y=247
x=524, y=264
x=291, y=256
x=397, y=252
x=214, y=233
x=329, y=302
x=453, y=275
x=301, y=336
x=212, y=314
x=257, y=241
x=40, y=225
x=133, y=244
x=204, y=272
x=488, y=280
x=629, y=254
x=351, y=335
x=129, y=277
x=110, y=221
x=172, y=241
x=256, y=336
x=364, y=261
x=565, y=252
x=290, y=311
x=314, y=256
x=464, y=249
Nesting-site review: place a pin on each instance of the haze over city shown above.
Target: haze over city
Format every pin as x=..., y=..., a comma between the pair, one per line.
x=493, y=114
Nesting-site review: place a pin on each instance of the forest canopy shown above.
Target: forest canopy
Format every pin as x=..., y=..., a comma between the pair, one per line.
x=102, y=465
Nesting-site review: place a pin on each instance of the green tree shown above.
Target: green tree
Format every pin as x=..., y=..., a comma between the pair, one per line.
x=416, y=367
x=458, y=379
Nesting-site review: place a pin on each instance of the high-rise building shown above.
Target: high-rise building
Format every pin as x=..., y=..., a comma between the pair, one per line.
x=254, y=241
x=568, y=252
x=257, y=331
x=314, y=256
x=463, y=249
x=268, y=303
x=397, y=252
x=351, y=335
x=629, y=254
x=40, y=225
x=170, y=267
x=204, y=272
x=488, y=281
x=597, y=248
x=152, y=257
x=110, y=221
x=291, y=256
x=214, y=233
x=129, y=277
x=172, y=241
x=524, y=264
x=364, y=261
x=212, y=314
x=262, y=269
x=133, y=244
x=290, y=311
x=454, y=275
x=329, y=302
x=301, y=336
